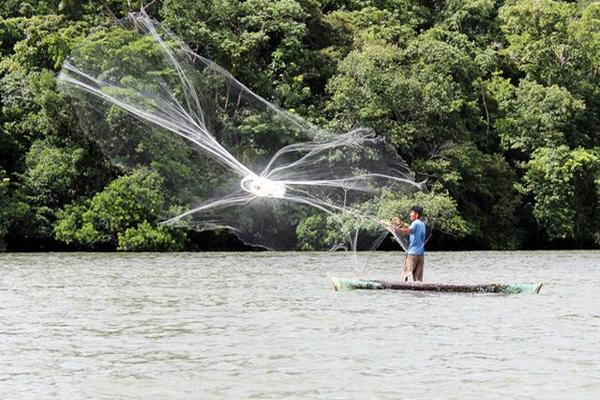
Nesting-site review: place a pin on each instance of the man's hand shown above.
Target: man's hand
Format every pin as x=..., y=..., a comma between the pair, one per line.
x=395, y=223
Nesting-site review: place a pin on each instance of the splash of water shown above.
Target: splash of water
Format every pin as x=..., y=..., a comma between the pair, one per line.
x=154, y=102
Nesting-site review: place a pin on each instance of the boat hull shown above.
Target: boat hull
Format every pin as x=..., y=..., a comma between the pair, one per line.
x=374, y=284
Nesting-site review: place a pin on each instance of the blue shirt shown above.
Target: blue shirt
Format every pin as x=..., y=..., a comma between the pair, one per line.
x=417, y=238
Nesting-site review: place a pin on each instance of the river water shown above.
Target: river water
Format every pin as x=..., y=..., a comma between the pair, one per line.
x=270, y=326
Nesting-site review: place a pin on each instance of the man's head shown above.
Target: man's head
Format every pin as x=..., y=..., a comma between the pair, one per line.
x=416, y=212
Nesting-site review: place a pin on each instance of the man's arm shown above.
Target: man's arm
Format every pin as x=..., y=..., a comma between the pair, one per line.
x=404, y=229
x=398, y=227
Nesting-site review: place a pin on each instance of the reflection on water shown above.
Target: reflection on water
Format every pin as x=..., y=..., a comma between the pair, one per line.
x=269, y=325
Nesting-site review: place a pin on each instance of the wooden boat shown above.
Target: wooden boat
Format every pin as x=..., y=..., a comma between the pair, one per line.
x=373, y=284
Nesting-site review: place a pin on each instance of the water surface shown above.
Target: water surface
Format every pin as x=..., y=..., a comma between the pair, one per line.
x=270, y=326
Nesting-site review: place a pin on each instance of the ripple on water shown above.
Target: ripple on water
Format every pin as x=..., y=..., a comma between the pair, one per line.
x=268, y=325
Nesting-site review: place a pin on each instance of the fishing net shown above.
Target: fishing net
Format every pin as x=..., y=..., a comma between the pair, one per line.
x=229, y=158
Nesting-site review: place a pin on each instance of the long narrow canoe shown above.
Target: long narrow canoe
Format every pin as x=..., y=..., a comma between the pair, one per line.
x=371, y=284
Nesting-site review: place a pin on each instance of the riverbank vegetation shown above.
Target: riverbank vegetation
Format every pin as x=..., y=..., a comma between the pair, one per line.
x=495, y=103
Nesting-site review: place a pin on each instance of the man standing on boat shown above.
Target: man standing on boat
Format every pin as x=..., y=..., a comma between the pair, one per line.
x=415, y=255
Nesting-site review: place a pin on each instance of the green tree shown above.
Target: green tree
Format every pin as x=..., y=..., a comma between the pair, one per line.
x=262, y=42
x=476, y=19
x=481, y=96
x=419, y=97
x=31, y=107
x=125, y=203
x=50, y=180
x=313, y=233
x=44, y=44
x=440, y=211
x=564, y=185
x=5, y=211
x=531, y=116
x=320, y=231
x=389, y=22
x=13, y=8
x=146, y=237
x=20, y=116
x=483, y=187
x=537, y=33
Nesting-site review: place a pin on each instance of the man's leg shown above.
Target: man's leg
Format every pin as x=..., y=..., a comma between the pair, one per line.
x=409, y=267
x=419, y=267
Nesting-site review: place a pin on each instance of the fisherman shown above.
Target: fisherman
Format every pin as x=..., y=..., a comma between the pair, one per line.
x=415, y=255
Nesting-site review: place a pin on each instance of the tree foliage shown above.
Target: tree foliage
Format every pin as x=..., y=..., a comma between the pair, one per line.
x=147, y=237
x=119, y=215
x=532, y=116
x=5, y=211
x=564, y=185
x=495, y=103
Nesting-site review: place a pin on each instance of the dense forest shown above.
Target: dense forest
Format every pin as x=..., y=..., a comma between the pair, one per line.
x=495, y=103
